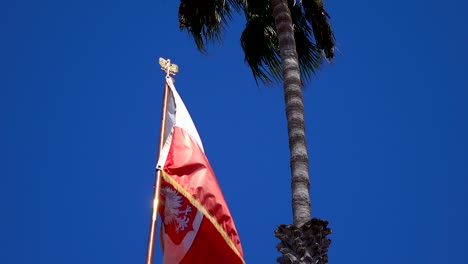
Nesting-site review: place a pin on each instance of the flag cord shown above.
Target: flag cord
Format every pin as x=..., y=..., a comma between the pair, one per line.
x=154, y=215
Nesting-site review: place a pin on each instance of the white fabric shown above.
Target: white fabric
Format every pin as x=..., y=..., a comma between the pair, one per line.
x=177, y=115
x=182, y=118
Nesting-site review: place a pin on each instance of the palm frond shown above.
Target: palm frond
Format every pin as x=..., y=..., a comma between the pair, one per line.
x=318, y=18
x=205, y=20
x=260, y=43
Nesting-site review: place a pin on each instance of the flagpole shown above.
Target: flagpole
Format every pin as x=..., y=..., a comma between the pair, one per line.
x=169, y=69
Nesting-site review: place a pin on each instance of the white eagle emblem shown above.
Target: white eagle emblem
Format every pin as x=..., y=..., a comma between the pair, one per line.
x=172, y=212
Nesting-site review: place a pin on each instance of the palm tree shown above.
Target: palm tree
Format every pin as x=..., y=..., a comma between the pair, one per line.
x=278, y=46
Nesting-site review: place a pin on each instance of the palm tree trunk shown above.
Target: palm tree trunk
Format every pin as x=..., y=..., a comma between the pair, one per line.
x=306, y=240
x=299, y=161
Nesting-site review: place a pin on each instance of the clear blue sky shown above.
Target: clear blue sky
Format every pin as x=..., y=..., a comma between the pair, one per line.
x=80, y=97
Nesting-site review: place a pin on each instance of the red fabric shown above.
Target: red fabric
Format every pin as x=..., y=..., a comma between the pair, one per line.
x=208, y=248
x=187, y=164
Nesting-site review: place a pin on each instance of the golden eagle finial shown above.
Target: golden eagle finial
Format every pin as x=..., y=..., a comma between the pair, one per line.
x=167, y=67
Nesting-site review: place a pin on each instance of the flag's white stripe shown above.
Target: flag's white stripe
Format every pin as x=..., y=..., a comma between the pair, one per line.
x=170, y=115
x=177, y=115
x=182, y=116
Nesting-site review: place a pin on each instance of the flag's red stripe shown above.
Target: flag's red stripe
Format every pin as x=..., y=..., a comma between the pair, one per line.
x=209, y=247
x=188, y=166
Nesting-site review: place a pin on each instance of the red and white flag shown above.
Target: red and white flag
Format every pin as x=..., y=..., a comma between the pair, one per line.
x=197, y=226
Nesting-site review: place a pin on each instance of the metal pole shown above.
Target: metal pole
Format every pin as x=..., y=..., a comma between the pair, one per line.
x=154, y=215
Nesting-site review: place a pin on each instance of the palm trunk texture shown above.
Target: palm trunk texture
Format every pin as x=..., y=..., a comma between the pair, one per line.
x=305, y=241
x=294, y=113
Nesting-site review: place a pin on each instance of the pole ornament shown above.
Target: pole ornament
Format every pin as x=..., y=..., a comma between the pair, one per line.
x=167, y=67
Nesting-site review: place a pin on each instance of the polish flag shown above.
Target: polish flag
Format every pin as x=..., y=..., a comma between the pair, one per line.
x=196, y=225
